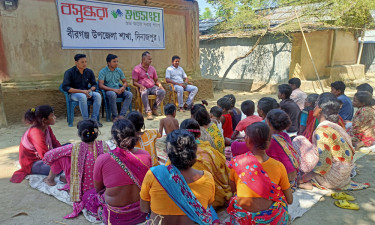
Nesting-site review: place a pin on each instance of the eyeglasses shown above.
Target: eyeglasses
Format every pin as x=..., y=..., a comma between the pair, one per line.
x=148, y=75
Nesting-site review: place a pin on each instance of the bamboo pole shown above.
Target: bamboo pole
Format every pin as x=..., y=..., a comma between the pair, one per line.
x=361, y=46
x=308, y=50
x=333, y=49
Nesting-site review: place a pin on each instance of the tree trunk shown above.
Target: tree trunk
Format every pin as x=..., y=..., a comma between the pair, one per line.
x=236, y=60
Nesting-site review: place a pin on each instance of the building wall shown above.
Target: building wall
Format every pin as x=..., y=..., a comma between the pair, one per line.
x=32, y=43
x=268, y=63
x=321, y=45
x=368, y=57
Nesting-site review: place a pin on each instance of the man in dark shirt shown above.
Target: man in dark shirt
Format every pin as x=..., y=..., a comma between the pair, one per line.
x=76, y=81
x=289, y=106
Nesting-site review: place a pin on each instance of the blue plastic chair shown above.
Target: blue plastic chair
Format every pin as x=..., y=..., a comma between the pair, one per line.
x=108, y=111
x=70, y=105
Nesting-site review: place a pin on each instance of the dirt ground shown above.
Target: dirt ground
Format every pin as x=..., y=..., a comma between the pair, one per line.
x=20, y=204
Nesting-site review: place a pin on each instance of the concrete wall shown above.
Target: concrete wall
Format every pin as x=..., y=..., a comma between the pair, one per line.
x=321, y=47
x=368, y=57
x=31, y=41
x=267, y=64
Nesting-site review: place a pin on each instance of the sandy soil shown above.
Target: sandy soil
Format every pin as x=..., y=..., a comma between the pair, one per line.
x=20, y=204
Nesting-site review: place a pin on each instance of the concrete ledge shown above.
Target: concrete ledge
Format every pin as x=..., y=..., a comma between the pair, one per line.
x=346, y=72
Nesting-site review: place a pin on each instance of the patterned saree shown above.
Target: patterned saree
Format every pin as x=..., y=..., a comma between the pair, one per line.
x=251, y=172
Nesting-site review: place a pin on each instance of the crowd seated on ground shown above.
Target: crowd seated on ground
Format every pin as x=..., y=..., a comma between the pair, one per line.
x=182, y=173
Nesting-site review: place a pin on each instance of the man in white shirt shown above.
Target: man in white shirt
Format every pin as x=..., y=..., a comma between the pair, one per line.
x=177, y=76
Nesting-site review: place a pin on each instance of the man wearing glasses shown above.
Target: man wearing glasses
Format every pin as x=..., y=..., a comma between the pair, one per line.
x=145, y=78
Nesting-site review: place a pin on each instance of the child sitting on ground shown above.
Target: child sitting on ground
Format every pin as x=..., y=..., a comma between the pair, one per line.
x=215, y=113
x=226, y=119
x=236, y=113
x=289, y=106
x=308, y=122
x=347, y=110
x=248, y=108
x=265, y=105
x=169, y=123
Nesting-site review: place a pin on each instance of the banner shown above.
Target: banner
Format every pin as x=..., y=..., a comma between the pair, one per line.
x=108, y=25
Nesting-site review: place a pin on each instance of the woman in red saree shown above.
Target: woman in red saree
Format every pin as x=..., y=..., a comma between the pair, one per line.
x=118, y=176
x=261, y=183
x=35, y=142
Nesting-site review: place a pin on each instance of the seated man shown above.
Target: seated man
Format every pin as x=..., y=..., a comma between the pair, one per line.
x=109, y=80
x=298, y=96
x=145, y=78
x=177, y=76
x=347, y=110
x=76, y=81
x=289, y=106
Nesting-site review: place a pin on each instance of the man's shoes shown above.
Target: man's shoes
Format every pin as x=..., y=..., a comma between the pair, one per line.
x=149, y=116
x=99, y=124
x=155, y=112
x=181, y=109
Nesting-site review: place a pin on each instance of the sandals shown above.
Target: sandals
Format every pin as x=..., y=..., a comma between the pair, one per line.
x=342, y=196
x=346, y=205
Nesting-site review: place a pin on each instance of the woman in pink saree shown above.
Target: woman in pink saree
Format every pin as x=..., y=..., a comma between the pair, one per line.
x=118, y=176
x=77, y=161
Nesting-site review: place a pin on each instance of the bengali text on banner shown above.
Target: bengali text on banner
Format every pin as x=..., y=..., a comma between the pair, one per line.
x=108, y=25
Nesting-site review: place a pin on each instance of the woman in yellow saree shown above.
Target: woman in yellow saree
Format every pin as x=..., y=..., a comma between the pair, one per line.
x=212, y=161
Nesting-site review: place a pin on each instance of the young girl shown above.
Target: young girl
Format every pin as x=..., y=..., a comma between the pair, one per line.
x=236, y=113
x=77, y=161
x=261, y=183
x=215, y=113
x=281, y=147
x=308, y=122
x=226, y=118
x=35, y=142
x=265, y=105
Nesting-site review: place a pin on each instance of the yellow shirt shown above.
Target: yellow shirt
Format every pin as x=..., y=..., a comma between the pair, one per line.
x=276, y=172
x=162, y=204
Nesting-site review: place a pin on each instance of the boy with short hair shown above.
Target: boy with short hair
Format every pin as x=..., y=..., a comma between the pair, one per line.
x=347, y=110
x=248, y=108
x=215, y=113
x=289, y=106
x=298, y=96
x=169, y=123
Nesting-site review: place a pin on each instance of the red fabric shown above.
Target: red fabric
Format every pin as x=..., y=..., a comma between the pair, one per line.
x=27, y=156
x=341, y=122
x=227, y=126
x=106, y=169
x=243, y=124
x=310, y=126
